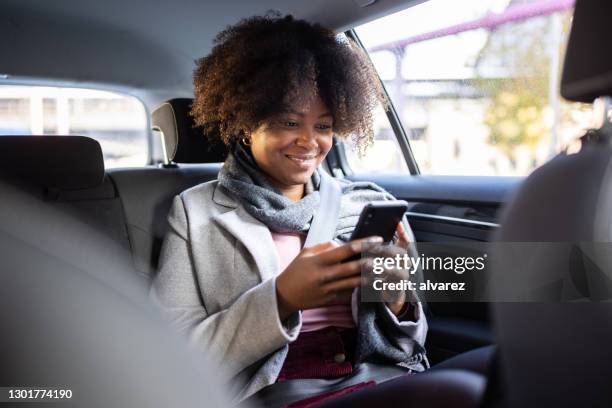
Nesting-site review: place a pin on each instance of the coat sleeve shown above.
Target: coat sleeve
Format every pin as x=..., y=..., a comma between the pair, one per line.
x=236, y=337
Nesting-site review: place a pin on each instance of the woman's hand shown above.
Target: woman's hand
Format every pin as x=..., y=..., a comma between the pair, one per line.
x=403, y=240
x=317, y=276
x=395, y=300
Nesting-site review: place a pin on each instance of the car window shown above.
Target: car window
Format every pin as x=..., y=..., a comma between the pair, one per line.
x=383, y=156
x=476, y=83
x=118, y=122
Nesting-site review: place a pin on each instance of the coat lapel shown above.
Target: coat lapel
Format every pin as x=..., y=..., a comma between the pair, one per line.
x=254, y=235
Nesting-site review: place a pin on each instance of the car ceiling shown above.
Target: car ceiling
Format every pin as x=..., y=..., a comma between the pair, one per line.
x=143, y=47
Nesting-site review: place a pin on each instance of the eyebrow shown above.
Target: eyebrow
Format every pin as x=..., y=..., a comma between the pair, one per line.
x=302, y=114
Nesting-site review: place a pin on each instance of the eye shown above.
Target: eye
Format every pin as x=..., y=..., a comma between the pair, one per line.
x=290, y=124
x=324, y=127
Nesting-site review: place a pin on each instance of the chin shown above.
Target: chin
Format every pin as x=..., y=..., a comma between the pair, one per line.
x=299, y=178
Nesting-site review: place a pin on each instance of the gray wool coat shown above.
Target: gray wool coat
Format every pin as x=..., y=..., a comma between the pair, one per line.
x=217, y=280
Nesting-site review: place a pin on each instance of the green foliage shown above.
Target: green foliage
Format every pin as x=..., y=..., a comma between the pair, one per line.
x=517, y=112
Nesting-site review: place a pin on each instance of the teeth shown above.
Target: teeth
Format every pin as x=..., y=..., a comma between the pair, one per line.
x=301, y=158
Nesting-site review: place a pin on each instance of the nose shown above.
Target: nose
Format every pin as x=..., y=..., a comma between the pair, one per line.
x=307, y=139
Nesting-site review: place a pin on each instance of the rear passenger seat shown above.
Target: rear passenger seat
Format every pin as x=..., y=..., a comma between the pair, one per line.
x=146, y=193
x=130, y=205
x=68, y=173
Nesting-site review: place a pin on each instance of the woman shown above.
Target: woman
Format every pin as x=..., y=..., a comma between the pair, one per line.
x=283, y=321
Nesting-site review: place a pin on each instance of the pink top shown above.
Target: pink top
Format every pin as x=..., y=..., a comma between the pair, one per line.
x=337, y=314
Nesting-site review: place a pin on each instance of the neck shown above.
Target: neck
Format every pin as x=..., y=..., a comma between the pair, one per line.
x=294, y=193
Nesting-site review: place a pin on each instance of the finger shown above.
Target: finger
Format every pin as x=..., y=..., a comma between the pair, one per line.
x=347, y=250
x=403, y=240
x=345, y=292
x=386, y=251
x=343, y=284
x=316, y=249
x=343, y=270
x=341, y=294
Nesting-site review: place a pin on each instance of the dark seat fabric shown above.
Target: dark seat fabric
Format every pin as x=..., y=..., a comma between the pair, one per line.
x=431, y=389
x=183, y=141
x=129, y=205
x=566, y=189
x=557, y=353
x=53, y=162
x=146, y=196
x=562, y=211
x=67, y=172
x=587, y=69
x=146, y=193
x=73, y=314
x=447, y=336
x=478, y=360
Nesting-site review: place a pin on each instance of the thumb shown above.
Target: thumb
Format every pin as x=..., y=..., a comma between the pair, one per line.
x=317, y=249
x=403, y=240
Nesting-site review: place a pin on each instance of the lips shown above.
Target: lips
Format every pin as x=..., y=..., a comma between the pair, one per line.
x=301, y=157
x=303, y=162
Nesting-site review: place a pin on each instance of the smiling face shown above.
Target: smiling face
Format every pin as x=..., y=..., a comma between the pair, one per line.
x=290, y=146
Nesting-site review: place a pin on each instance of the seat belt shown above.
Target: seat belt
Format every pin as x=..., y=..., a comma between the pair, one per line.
x=325, y=219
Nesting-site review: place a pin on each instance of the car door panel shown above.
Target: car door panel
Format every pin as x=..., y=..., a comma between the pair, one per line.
x=452, y=209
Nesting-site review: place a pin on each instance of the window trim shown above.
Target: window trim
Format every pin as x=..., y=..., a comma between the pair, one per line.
x=396, y=125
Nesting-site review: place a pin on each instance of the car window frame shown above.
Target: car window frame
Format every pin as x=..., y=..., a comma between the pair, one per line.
x=396, y=126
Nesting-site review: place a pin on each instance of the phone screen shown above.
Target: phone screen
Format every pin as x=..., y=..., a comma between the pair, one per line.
x=380, y=218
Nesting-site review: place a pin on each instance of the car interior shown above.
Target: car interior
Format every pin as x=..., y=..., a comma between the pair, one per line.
x=147, y=50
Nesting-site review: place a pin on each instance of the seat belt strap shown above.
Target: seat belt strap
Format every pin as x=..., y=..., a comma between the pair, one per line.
x=325, y=219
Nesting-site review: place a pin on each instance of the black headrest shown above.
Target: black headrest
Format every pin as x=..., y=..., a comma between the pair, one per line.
x=587, y=71
x=185, y=142
x=57, y=162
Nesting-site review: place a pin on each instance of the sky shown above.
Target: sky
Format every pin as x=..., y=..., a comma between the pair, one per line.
x=442, y=58
x=425, y=17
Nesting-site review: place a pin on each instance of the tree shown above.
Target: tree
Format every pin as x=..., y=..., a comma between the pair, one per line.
x=518, y=98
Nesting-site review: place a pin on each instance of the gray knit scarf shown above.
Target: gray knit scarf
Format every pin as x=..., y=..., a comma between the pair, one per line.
x=248, y=183
x=251, y=186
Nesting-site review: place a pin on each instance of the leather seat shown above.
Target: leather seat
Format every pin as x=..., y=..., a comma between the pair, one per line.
x=183, y=141
x=75, y=317
x=432, y=389
x=131, y=205
x=67, y=172
x=146, y=193
x=555, y=349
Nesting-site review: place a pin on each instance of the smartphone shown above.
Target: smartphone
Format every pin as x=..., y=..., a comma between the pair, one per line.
x=380, y=218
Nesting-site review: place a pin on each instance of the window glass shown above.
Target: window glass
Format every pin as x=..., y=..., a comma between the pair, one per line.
x=384, y=156
x=117, y=122
x=475, y=83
